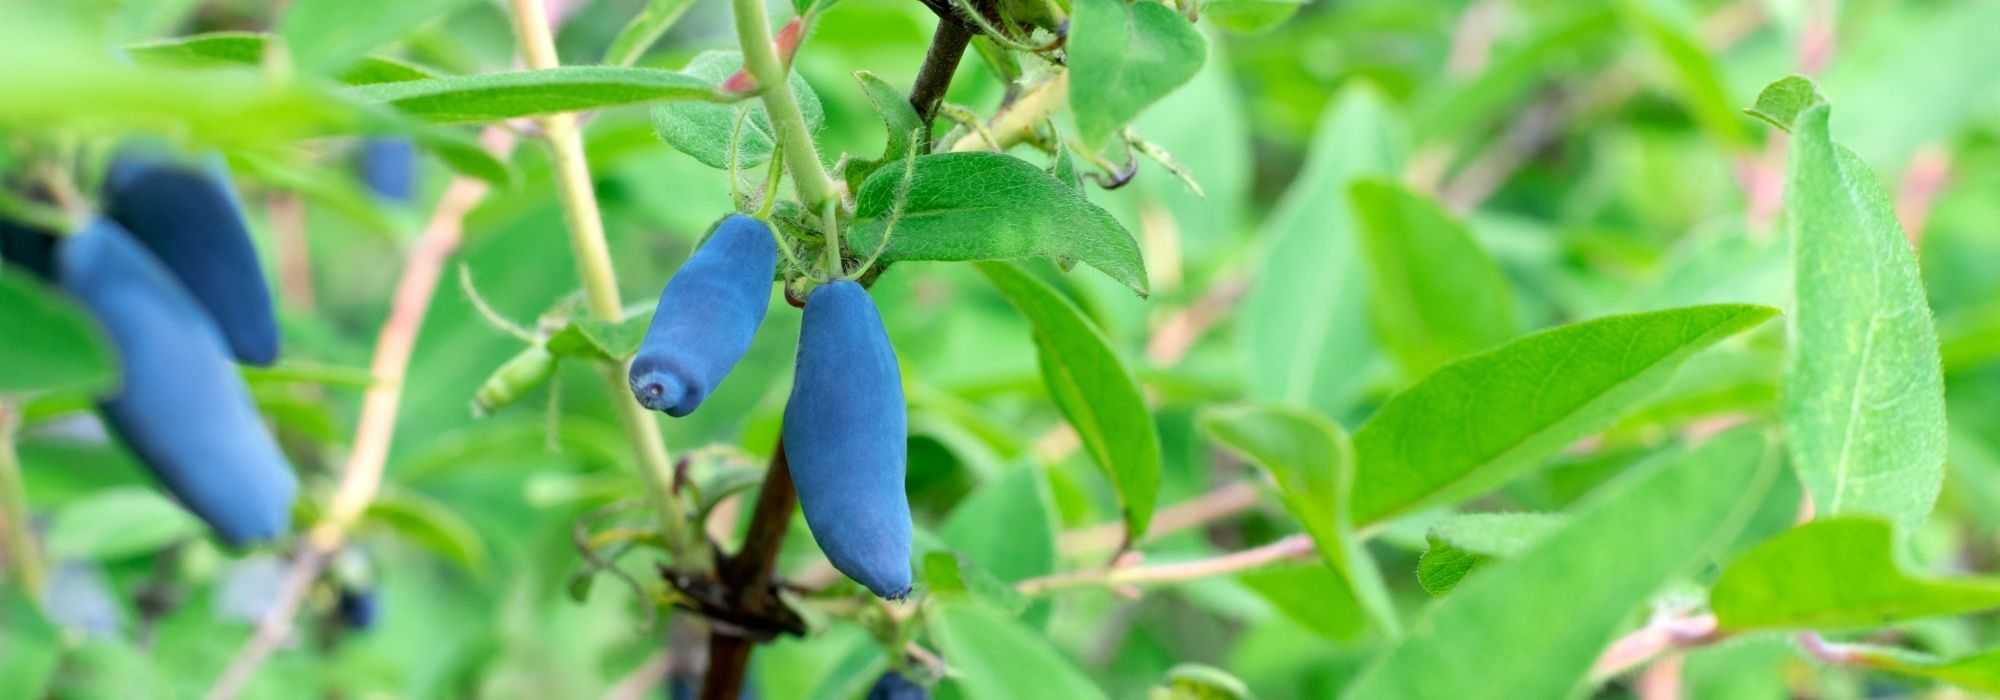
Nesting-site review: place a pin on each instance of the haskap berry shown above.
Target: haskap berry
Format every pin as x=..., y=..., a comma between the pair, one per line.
x=894, y=686
x=707, y=315
x=845, y=438
x=388, y=167
x=180, y=404
x=189, y=218
x=358, y=608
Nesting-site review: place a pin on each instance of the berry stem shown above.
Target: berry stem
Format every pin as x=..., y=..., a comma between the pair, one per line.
x=760, y=60
x=600, y=278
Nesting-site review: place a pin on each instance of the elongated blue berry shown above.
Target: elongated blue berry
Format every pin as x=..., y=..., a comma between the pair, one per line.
x=893, y=686
x=358, y=609
x=180, y=405
x=189, y=218
x=706, y=317
x=389, y=167
x=845, y=434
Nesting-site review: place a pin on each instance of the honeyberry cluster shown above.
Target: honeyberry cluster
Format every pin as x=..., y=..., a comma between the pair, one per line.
x=169, y=271
x=845, y=424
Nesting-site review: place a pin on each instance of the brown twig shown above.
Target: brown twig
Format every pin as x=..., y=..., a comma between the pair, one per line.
x=746, y=577
x=362, y=476
x=940, y=64
x=1223, y=502
x=1664, y=634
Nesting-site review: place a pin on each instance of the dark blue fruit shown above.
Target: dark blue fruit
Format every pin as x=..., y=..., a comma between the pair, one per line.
x=845, y=436
x=706, y=317
x=189, y=218
x=28, y=248
x=180, y=405
x=893, y=686
x=358, y=608
x=389, y=167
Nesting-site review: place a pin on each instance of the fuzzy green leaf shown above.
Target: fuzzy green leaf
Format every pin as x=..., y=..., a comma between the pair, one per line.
x=990, y=206
x=1864, y=392
x=1124, y=56
x=1458, y=543
x=702, y=129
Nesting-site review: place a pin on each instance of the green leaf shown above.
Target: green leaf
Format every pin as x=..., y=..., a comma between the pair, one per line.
x=1249, y=16
x=1542, y=618
x=853, y=675
x=996, y=658
x=990, y=206
x=1199, y=682
x=1124, y=56
x=1864, y=392
x=233, y=48
x=1483, y=420
x=1782, y=102
x=1434, y=294
x=593, y=339
x=702, y=129
x=1312, y=595
x=951, y=575
x=1463, y=541
x=1026, y=547
x=644, y=29
x=1979, y=673
x=1094, y=389
x=1837, y=573
x=117, y=523
x=1694, y=66
x=498, y=96
x=327, y=36
x=1304, y=328
x=1311, y=460
x=905, y=128
x=52, y=344
x=430, y=525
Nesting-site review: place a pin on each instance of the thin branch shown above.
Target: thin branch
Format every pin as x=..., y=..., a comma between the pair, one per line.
x=1022, y=117
x=747, y=576
x=1664, y=634
x=1290, y=548
x=760, y=59
x=362, y=476
x=1223, y=502
x=600, y=280
x=940, y=63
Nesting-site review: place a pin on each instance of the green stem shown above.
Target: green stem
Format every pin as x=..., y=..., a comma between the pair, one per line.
x=600, y=281
x=24, y=558
x=760, y=58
